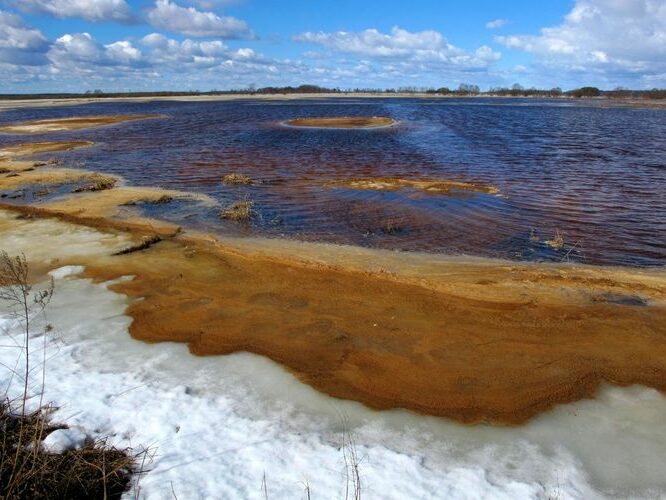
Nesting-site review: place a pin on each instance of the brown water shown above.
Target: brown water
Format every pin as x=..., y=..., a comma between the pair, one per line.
x=596, y=175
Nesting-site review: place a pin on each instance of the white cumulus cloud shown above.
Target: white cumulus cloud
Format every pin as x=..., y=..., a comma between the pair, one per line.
x=20, y=44
x=419, y=46
x=189, y=21
x=613, y=38
x=90, y=10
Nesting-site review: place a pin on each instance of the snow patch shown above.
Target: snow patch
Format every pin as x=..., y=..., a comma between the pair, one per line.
x=218, y=425
x=62, y=440
x=66, y=271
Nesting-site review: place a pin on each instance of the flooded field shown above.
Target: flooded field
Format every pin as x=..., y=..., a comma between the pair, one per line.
x=552, y=180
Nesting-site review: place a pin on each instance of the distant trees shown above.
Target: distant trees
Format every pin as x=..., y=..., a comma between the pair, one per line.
x=585, y=92
x=517, y=90
x=468, y=89
x=464, y=89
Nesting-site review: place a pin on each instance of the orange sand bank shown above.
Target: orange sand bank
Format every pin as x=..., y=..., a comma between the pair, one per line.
x=477, y=340
x=343, y=122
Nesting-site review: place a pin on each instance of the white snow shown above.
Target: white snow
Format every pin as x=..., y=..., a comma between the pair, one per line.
x=65, y=439
x=48, y=240
x=66, y=271
x=217, y=425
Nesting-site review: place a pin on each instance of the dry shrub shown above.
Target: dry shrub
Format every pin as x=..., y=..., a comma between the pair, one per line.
x=237, y=179
x=240, y=211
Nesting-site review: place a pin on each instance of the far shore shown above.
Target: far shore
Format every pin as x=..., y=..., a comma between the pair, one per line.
x=6, y=104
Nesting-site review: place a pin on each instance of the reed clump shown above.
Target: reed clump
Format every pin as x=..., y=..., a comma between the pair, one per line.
x=240, y=211
x=27, y=470
x=90, y=469
x=557, y=243
x=97, y=183
x=237, y=179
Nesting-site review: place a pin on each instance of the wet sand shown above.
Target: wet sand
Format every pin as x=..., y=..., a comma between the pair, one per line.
x=75, y=123
x=428, y=186
x=343, y=122
x=475, y=340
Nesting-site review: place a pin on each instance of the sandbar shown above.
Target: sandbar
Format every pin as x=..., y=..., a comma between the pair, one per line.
x=73, y=123
x=428, y=186
x=343, y=122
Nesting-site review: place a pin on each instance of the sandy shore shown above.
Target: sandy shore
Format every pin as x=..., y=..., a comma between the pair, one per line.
x=75, y=123
x=6, y=104
x=475, y=340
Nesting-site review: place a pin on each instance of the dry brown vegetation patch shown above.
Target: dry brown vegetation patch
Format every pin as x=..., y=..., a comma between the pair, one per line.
x=240, y=211
x=427, y=186
x=343, y=122
x=95, y=470
x=237, y=179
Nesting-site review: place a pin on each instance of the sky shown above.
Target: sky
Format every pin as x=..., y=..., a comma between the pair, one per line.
x=139, y=45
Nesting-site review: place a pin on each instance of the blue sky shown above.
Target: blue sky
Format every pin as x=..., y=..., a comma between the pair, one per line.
x=76, y=45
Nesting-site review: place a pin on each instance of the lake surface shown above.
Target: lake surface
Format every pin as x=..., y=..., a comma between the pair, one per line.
x=596, y=175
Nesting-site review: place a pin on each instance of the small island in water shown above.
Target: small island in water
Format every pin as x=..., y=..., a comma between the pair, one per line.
x=343, y=122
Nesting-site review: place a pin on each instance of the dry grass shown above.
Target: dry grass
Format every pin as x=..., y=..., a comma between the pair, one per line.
x=96, y=470
x=237, y=179
x=240, y=211
x=162, y=200
x=146, y=242
x=391, y=226
x=557, y=243
x=27, y=469
x=97, y=182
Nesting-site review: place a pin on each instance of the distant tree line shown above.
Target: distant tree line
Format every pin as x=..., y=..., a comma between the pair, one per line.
x=464, y=89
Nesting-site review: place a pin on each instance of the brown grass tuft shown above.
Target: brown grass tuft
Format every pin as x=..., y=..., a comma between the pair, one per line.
x=96, y=470
x=557, y=243
x=391, y=226
x=97, y=182
x=237, y=179
x=241, y=211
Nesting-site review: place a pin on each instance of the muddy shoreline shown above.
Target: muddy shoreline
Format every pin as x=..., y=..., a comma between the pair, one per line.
x=478, y=341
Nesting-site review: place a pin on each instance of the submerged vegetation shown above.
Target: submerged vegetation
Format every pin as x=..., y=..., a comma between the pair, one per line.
x=236, y=178
x=240, y=211
x=97, y=182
